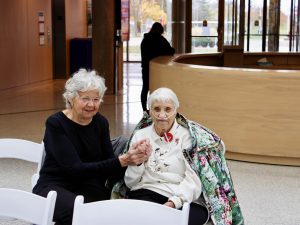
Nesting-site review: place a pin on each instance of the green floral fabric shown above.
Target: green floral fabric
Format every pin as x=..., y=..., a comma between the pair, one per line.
x=206, y=157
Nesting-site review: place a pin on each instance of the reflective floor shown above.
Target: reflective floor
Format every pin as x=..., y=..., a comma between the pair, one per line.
x=25, y=109
x=268, y=194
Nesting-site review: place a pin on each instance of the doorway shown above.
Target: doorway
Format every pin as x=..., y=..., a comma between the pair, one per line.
x=59, y=39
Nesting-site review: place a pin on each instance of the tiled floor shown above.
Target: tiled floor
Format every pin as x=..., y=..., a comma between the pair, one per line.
x=269, y=195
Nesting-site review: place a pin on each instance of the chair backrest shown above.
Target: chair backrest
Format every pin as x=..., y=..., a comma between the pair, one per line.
x=127, y=212
x=23, y=149
x=27, y=206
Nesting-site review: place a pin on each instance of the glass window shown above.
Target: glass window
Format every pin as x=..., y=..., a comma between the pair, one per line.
x=204, y=25
x=255, y=27
x=281, y=25
x=143, y=13
x=231, y=22
x=289, y=26
x=285, y=10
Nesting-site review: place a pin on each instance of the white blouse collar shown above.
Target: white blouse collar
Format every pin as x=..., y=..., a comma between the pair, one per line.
x=155, y=136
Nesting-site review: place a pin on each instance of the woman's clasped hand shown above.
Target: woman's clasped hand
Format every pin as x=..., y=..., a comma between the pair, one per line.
x=137, y=154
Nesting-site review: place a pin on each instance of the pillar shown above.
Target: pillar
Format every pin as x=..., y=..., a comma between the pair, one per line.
x=103, y=31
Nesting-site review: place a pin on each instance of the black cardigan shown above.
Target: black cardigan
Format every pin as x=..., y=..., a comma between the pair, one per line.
x=78, y=155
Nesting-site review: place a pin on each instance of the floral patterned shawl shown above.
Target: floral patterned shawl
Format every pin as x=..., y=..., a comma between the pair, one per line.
x=206, y=157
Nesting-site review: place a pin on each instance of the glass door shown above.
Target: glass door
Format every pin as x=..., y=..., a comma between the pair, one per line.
x=205, y=23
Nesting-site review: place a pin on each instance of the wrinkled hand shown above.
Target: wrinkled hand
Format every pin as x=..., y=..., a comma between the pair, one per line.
x=143, y=146
x=170, y=204
x=137, y=154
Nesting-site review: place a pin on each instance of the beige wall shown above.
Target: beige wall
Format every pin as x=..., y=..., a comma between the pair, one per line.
x=22, y=59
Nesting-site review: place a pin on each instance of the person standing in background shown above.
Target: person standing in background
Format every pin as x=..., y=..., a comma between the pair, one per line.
x=152, y=46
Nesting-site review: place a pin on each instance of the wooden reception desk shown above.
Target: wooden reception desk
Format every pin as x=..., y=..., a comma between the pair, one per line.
x=255, y=111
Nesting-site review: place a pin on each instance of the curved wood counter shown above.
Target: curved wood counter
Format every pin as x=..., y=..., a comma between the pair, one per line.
x=255, y=111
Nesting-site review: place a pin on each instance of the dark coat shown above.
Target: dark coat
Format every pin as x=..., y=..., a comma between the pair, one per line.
x=152, y=46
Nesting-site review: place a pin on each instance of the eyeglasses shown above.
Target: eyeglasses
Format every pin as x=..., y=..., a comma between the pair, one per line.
x=86, y=100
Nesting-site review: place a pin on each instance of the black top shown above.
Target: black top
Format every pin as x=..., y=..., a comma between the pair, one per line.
x=154, y=45
x=78, y=155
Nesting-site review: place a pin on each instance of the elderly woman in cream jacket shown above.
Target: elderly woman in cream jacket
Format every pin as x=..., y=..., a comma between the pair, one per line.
x=166, y=177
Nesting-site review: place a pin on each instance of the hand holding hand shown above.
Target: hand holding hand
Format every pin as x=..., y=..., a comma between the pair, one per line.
x=143, y=146
x=170, y=204
x=137, y=154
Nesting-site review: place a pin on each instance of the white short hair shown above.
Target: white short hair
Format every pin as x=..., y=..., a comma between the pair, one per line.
x=165, y=95
x=82, y=81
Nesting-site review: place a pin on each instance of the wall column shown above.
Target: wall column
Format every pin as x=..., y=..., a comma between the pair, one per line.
x=104, y=26
x=179, y=25
x=273, y=25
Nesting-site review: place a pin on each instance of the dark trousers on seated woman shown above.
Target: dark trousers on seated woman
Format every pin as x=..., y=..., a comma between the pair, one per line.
x=198, y=213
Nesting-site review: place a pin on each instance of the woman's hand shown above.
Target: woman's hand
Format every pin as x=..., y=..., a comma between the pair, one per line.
x=143, y=146
x=170, y=204
x=137, y=154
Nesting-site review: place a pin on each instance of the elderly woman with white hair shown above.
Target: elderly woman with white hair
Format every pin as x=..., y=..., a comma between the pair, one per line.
x=186, y=163
x=79, y=156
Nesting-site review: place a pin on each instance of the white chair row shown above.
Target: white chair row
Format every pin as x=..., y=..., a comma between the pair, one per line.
x=26, y=206
x=38, y=210
x=24, y=150
x=127, y=212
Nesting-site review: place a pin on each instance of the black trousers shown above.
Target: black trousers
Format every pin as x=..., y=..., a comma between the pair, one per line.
x=145, y=88
x=64, y=206
x=198, y=213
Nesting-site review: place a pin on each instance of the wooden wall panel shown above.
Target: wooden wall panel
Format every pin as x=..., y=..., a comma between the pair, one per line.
x=40, y=56
x=13, y=44
x=22, y=61
x=76, y=23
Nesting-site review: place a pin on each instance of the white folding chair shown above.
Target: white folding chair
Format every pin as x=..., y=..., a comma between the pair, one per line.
x=27, y=206
x=127, y=212
x=25, y=150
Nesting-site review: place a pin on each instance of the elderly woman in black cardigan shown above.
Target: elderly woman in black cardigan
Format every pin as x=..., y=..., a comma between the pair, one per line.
x=79, y=156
